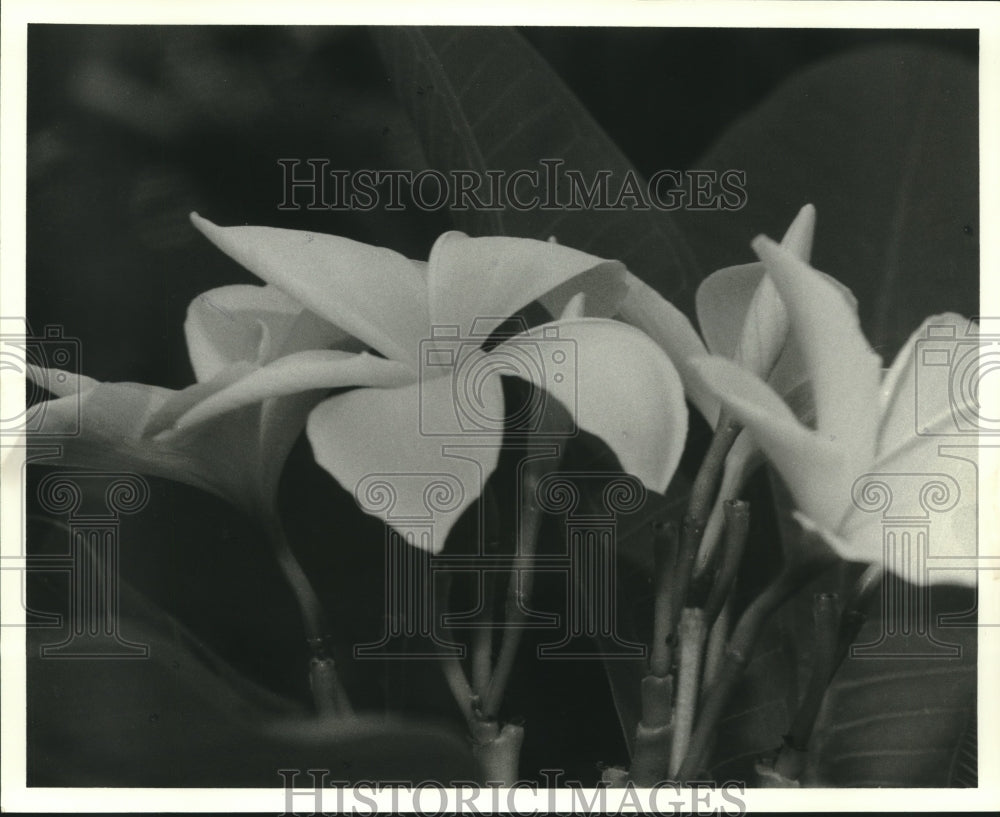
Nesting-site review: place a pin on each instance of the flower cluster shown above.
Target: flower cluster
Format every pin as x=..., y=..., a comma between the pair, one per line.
x=363, y=321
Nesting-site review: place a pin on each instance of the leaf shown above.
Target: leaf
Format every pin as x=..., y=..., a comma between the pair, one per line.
x=760, y=709
x=483, y=99
x=902, y=721
x=884, y=142
x=183, y=717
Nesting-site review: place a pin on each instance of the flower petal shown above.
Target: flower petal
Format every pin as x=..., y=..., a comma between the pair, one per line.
x=722, y=301
x=224, y=325
x=737, y=306
x=102, y=428
x=302, y=371
x=813, y=468
x=931, y=383
x=402, y=454
x=477, y=283
x=377, y=295
x=646, y=309
x=863, y=542
x=844, y=371
x=616, y=383
x=798, y=238
x=59, y=382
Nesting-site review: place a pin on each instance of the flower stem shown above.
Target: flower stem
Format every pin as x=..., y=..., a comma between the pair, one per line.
x=458, y=683
x=498, y=750
x=665, y=555
x=519, y=586
x=693, y=629
x=313, y=618
x=738, y=654
x=826, y=624
x=652, y=735
x=327, y=692
x=482, y=640
x=834, y=632
x=703, y=492
x=737, y=529
x=714, y=652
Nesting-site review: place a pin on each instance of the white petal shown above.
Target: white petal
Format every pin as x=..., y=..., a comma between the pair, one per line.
x=617, y=384
x=845, y=373
x=251, y=323
x=103, y=428
x=865, y=542
x=646, y=309
x=477, y=283
x=373, y=293
x=302, y=371
x=224, y=325
x=798, y=238
x=722, y=301
x=812, y=467
x=576, y=307
x=403, y=455
x=739, y=311
x=932, y=383
x=60, y=382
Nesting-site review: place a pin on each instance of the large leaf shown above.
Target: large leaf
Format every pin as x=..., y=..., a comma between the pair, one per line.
x=483, y=99
x=183, y=717
x=884, y=142
x=893, y=720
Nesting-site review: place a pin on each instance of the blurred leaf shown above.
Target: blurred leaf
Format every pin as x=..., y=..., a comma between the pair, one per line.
x=761, y=707
x=897, y=721
x=483, y=99
x=884, y=142
x=182, y=717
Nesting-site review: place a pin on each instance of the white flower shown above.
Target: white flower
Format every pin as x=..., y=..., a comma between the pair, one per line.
x=866, y=424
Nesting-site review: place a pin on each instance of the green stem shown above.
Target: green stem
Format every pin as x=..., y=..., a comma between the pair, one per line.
x=324, y=682
x=826, y=624
x=737, y=657
x=737, y=515
x=834, y=632
x=651, y=752
x=519, y=586
x=717, y=637
x=313, y=618
x=498, y=751
x=693, y=629
x=703, y=492
x=665, y=556
x=461, y=691
x=482, y=644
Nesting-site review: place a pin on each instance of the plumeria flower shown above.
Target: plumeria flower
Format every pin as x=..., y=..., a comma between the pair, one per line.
x=866, y=423
x=742, y=318
x=231, y=332
x=401, y=419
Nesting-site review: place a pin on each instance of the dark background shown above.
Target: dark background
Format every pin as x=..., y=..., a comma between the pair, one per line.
x=131, y=128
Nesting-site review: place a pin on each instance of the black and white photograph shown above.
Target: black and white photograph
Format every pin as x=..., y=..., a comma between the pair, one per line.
x=419, y=412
